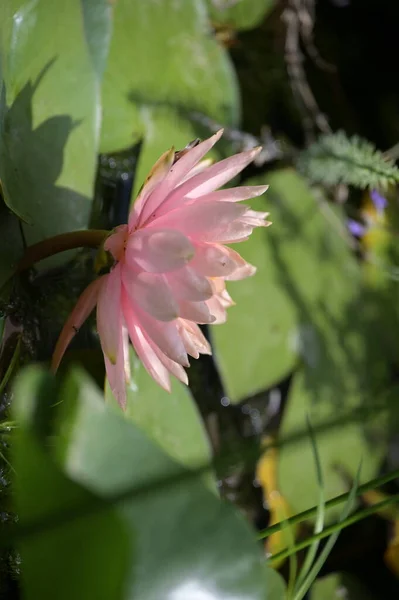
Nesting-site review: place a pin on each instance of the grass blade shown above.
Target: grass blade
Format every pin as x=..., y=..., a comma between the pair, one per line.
x=320, y=515
x=314, y=571
x=310, y=512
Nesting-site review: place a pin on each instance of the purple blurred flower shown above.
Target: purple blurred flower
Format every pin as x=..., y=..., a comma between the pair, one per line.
x=356, y=228
x=379, y=202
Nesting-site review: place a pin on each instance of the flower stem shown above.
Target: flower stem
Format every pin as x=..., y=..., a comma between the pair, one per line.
x=90, y=238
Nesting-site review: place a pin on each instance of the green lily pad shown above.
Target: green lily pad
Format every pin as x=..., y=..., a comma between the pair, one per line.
x=51, y=60
x=346, y=437
x=270, y=329
x=309, y=289
x=170, y=419
x=256, y=347
x=240, y=14
x=303, y=304
x=163, y=55
x=183, y=539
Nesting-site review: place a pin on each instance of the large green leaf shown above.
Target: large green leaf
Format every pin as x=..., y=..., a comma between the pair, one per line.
x=240, y=14
x=306, y=307
x=303, y=304
x=346, y=438
x=185, y=540
x=172, y=420
x=162, y=54
x=347, y=394
x=84, y=557
x=271, y=326
x=256, y=347
x=51, y=60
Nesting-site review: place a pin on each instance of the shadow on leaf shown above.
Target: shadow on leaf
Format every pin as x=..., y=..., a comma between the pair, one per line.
x=31, y=161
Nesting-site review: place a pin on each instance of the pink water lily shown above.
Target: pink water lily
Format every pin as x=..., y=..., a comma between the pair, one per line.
x=170, y=266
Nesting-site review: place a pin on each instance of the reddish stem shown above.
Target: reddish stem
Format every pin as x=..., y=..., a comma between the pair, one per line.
x=90, y=238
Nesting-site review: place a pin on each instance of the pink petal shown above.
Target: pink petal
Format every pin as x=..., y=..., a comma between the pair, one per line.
x=177, y=172
x=237, y=231
x=218, y=285
x=189, y=344
x=125, y=348
x=159, y=250
x=189, y=160
x=164, y=335
x=217, y=309
x=152, y=293
x=213, y=260
x=228, y=195
x=242, y=268
x=241, y=229
x=234, y=256
x=225, y=299
x=236, y=194
x=194, y=340
x=255, y=218
x=243, y=272
x=79, y=314
x=118, y=374
x=109, y=313
x=172, y=366
x=153, y=180
x=199, y=168
x=214, y=177
x=116, y=380
x=203, y=222
x=187, y=284
x=145, y=350
x=195, y=311
x=116, y=242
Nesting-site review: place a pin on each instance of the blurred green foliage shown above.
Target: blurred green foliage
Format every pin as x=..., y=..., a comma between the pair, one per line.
x=95, y=504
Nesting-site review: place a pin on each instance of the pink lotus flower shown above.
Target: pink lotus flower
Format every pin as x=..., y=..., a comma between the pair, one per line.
x=171, y=264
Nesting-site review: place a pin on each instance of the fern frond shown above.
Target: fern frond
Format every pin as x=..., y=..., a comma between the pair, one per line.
x=336, y=158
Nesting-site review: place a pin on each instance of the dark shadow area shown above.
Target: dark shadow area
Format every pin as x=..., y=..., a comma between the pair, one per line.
x=31, y=161
x=113, y=188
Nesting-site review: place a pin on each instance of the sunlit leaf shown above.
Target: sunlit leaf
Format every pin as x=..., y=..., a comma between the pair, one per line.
x=305, y=305
x=163, y=55
x=306, y=309
x=360, y=436
x=305, y=269
x=51, y=57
